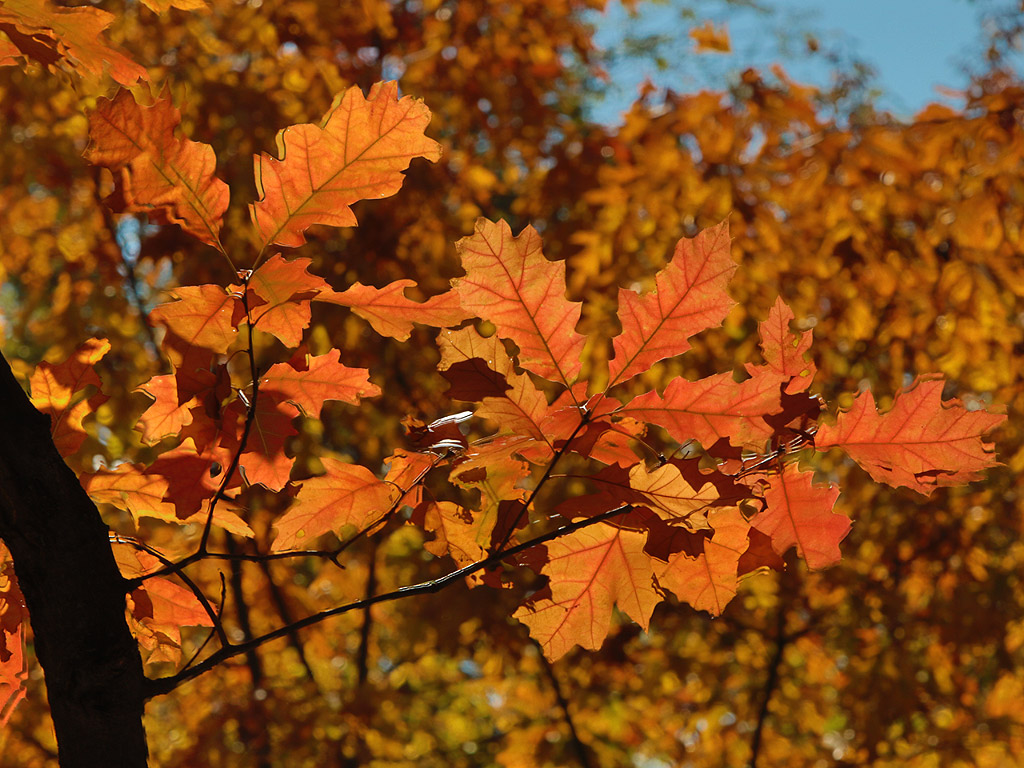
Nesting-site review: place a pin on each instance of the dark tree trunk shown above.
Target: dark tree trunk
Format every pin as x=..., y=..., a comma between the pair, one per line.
x=74, y=593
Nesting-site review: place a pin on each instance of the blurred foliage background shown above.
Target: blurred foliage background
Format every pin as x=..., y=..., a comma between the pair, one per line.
x=898, y=241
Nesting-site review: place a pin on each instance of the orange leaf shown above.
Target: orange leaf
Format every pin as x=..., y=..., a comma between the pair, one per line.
x=163, y=6
x=590, y=571
x=279, y=295
x=708, y=39
x=712, y=408
x=358, y=152
x=54, y=387
x=164, y=417
x=156, y=171
x=348, y=495
x=264, y=461
x=708, y=582
x=457, y=532
x=13, y=662
x=146, y=494
x=391, y=313
x=71, y=36
x=799, y=513
x=667, y=493
x=921, y=442
x=201, y=316
x=509, y=283
x=308, y=384
x=784, y=351
x=689, y=297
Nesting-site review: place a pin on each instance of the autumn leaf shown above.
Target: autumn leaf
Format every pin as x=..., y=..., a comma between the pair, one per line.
x=157, y=172
x=309, y=382
x=263, y=460
x=920, y=443
x=712, y=408
x=165, y=416
x=509, y=283
x=69, y=37
x=56, y=390
x=347, y=496
x=280, y=292
x=708, y=581
x=708, y=38
x=589, y=572
x=163, y=6
x=199, y=325
x=457, y=532
x=799, y=513
x=689, y=297
x=390, y=313
x=146, y=494
x=476, y=367
x=357, y=152
x=784, y=351
x=158, y=610
x=668, y=494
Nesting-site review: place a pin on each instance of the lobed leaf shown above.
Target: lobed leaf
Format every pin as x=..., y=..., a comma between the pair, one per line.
x=348, y=495
x=157, y=172
x=799, y=513
x=358, y=152
x=689, y=297
x=920, y=443
x=509, y=283
x=56, y=389
x=589, y=572
x=391, y=313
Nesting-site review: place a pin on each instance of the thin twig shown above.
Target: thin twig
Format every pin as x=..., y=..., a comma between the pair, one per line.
x=563, y=704
x=781, y=641
x=286, y=616
x=362, y=658
x=166, y=684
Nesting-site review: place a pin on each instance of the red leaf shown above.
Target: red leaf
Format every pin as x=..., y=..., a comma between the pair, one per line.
x=157, y=172
x=357, y=152
x=799, y=513
x=589, y=572
x=708, y=582
x=55, y=387
x=71, y=36
x=712, y=408
x=509, y=283
x=921, y=442
x=391, y=313
x=309, y=383
x=689, y=297
x=348, y=495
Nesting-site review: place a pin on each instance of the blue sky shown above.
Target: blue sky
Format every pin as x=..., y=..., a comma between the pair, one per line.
x=913, y=45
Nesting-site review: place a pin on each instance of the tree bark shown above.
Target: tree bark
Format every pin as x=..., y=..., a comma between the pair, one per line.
x=73, y=590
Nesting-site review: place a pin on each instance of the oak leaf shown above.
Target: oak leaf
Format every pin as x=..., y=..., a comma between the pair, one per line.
x=689, y=297
x=57, y=388
x=279, y=298
x=70, y=37
x=590, y=571
x=308, y=382
x=784, y=351
x=509, y=283
x=391, y=313
x=921, y=442
x=357, y=152
x=347, y=496
x=708, y=581
x=711, y=409
x=799, y=513
x=156, y=171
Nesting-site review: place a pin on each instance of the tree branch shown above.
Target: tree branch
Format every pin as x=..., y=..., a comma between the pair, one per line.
x=166, y=684
x=563, y=704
